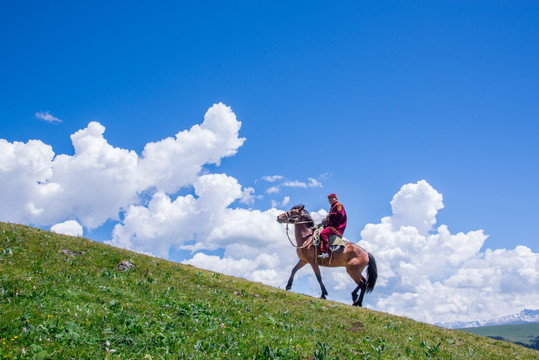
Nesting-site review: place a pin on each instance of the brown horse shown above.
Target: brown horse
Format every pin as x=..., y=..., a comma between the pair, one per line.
x=353, y=257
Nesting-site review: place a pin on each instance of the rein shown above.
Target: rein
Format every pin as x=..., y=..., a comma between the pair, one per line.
x=296, y=222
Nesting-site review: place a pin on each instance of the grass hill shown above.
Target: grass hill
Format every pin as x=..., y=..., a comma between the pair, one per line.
x=525, y=334
x=65, y=297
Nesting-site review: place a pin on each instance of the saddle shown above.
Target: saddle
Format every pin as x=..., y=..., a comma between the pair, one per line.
x=336, y=243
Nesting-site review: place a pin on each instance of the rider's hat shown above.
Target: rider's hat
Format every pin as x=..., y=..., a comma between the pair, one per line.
x=332, y=196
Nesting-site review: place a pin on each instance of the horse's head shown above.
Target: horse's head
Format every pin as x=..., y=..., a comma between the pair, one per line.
x=295, y=215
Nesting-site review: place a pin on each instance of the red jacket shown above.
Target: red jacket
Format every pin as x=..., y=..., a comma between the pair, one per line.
x=337, y=218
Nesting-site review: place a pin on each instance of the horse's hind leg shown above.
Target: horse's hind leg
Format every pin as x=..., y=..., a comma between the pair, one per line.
x=298, y=266
x=362, y=286
x=355, y=274
x=354, y=294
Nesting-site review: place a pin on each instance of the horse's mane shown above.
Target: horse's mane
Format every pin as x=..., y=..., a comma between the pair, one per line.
x=305, y=214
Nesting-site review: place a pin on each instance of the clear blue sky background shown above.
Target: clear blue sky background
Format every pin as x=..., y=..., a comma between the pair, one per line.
x=363, y=96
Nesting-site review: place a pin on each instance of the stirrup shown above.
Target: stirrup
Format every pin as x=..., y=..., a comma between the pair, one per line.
x=323, y=256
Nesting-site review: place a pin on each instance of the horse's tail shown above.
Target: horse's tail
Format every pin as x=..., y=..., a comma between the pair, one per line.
x=372, y=274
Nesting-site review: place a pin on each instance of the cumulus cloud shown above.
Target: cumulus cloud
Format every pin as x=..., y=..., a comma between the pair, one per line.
x=248, y=197
x=99, y=181
x=70, y=227
x=173, y=163
x=264, y=268
x=24, y=171
x=48, y=117
x=168, y=222
x=435, y=276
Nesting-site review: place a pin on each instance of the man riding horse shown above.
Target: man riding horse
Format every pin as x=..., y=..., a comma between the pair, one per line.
x=334, y=223
x=353, y=257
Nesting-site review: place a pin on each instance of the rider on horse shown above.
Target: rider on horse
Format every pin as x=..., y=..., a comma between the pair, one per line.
x=334, y=223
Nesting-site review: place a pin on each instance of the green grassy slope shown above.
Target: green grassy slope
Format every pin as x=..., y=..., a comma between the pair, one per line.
x=522, y=333
x=78, y=305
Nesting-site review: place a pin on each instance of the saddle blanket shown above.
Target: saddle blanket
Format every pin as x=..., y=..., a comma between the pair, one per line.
x=335, y=241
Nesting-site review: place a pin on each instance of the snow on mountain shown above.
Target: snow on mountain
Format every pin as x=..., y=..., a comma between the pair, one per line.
x=524, y=317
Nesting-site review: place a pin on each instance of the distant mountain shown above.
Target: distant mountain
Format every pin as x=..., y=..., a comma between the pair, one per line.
x=526, y=316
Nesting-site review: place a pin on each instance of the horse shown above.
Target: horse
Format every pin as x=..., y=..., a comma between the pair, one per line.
x=353, y=257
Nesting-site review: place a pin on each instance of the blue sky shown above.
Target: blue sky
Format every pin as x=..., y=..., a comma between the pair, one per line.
x=362, y=98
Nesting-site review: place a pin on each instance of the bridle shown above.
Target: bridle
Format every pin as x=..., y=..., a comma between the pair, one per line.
x=296, y=220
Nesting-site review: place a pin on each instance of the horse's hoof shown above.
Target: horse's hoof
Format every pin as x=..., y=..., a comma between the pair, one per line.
x=323, y=297
x=288, y=287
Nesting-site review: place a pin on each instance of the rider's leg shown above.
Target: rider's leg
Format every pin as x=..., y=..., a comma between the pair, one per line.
x=324, y=240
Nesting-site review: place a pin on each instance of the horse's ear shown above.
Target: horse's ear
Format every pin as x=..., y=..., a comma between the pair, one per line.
x=301, y=207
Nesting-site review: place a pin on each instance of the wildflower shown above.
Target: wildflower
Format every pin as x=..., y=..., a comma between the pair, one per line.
x=23, y=329
x=107, y=343
x=23, y=351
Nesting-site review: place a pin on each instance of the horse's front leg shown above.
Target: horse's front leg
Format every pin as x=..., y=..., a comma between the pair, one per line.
x=316, y=270
x=298, y=266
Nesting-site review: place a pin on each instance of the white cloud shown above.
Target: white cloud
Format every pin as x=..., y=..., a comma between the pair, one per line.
x=416, y=205
x=165, y=223
x=173, y=163
x=284, y=202
x=314, y=183
x=295, y=183
x=24, y=170
x=95, y=183
x=248, y=196
x=46, y=116
x=99, y=180
x=435, y=276
x=70, y=227
x=264, y=268
x=272, y=178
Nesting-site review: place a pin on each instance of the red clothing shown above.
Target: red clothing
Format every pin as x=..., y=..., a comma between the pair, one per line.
x=337, y=218
x=336, y=223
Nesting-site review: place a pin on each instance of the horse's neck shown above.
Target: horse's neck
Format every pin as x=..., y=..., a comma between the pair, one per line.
x=303, y=233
